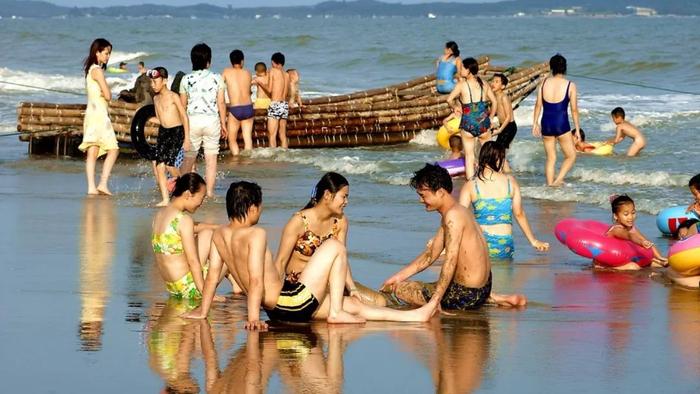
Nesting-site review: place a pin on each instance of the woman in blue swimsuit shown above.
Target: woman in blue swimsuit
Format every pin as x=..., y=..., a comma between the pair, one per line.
x=449, y=68
x=473, y=108
x=495, y=199
x=554, y=97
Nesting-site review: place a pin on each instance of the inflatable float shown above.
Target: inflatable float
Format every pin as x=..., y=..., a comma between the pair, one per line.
x=116, y=70
x=669, y=219
x=454, y=167
x=587, y=238
x=446, y=131
x=600, y=148
x=138, y=126
x=684, y=256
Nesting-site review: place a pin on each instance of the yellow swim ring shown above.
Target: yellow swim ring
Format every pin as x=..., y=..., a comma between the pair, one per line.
x=444, y=133
x=601, y=148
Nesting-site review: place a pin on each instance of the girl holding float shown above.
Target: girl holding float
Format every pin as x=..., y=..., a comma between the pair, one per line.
x=495, y=199
x=322, y=218
x=620, y=246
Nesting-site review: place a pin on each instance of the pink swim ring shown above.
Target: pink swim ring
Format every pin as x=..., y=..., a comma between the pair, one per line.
x=587, y=238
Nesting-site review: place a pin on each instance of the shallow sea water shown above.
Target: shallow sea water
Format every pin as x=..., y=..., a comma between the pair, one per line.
x=82, y=308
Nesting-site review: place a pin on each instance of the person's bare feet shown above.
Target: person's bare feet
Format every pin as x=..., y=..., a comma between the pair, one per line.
x=194, y=314
x=344, y=317
x=92, y=192
x=508, y=300
x=219, y=298
x=104, y=190
x=163, y=203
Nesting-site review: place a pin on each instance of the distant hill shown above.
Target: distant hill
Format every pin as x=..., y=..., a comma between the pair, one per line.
x=40, y=9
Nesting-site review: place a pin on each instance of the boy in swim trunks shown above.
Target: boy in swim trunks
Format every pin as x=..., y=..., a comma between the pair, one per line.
x=262, y=98
x=318, y=293
x=505, y=133
x=627, y=129
x=241, y=113
x=173, y=132
x=294, y=93
x=465, y=279
x=277, y=84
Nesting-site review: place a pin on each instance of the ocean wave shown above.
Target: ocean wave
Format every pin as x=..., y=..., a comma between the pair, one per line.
x=639, y=178
x=426, y=137
x=595, y=196
x=49, y=81
x=118, y=56
x=614, y=66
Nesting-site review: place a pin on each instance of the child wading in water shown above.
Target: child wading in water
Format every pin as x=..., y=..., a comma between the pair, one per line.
x=691, y=226
x=507, y=129
x=173, y=132
x=624, y=215
x=627, y=129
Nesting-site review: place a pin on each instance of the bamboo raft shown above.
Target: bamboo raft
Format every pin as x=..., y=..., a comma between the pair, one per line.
x=390, y=115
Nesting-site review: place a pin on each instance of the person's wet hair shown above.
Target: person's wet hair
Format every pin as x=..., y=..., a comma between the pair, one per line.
x=97, y=46
x=451, y=45
x=473, y=66
x=557, y=64
x=191, y=182
x=455, y=142
x=492, y=155
x=433, y=177
x=278, y=58
x=142, y=64
x=618, y=112
x=503, y=78
x=200, y=56
x=618, y=201
x=236, y=57
x=694, y=182
x=331, y=182
x=260, y=66
x=582, y=135
x=240, y=197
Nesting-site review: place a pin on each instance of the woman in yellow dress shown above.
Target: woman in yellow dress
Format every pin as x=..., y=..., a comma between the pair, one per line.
x=98, y=134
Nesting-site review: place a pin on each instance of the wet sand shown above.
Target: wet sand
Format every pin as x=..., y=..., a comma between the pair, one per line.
x=82, y=307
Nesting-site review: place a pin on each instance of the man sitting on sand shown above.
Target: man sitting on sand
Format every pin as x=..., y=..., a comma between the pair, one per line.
x=241, y=112
x=316, y=295
x=627, y=129
x=465, y=278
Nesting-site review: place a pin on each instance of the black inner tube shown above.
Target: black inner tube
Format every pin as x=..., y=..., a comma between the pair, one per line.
x=138, y=127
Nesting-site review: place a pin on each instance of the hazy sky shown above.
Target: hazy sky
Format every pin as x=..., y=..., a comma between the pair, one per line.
x=234, y=3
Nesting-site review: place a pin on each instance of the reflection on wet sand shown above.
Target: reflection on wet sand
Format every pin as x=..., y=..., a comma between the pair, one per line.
x=684, y=328
x=172, y=342
x=97, y=237
x=310, y=358
x=455, y=351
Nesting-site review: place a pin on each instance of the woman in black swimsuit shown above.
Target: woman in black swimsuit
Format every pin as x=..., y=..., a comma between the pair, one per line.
x=322, y=218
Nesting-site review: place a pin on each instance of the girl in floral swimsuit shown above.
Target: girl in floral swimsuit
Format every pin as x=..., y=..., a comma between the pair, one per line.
x=322, y=218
